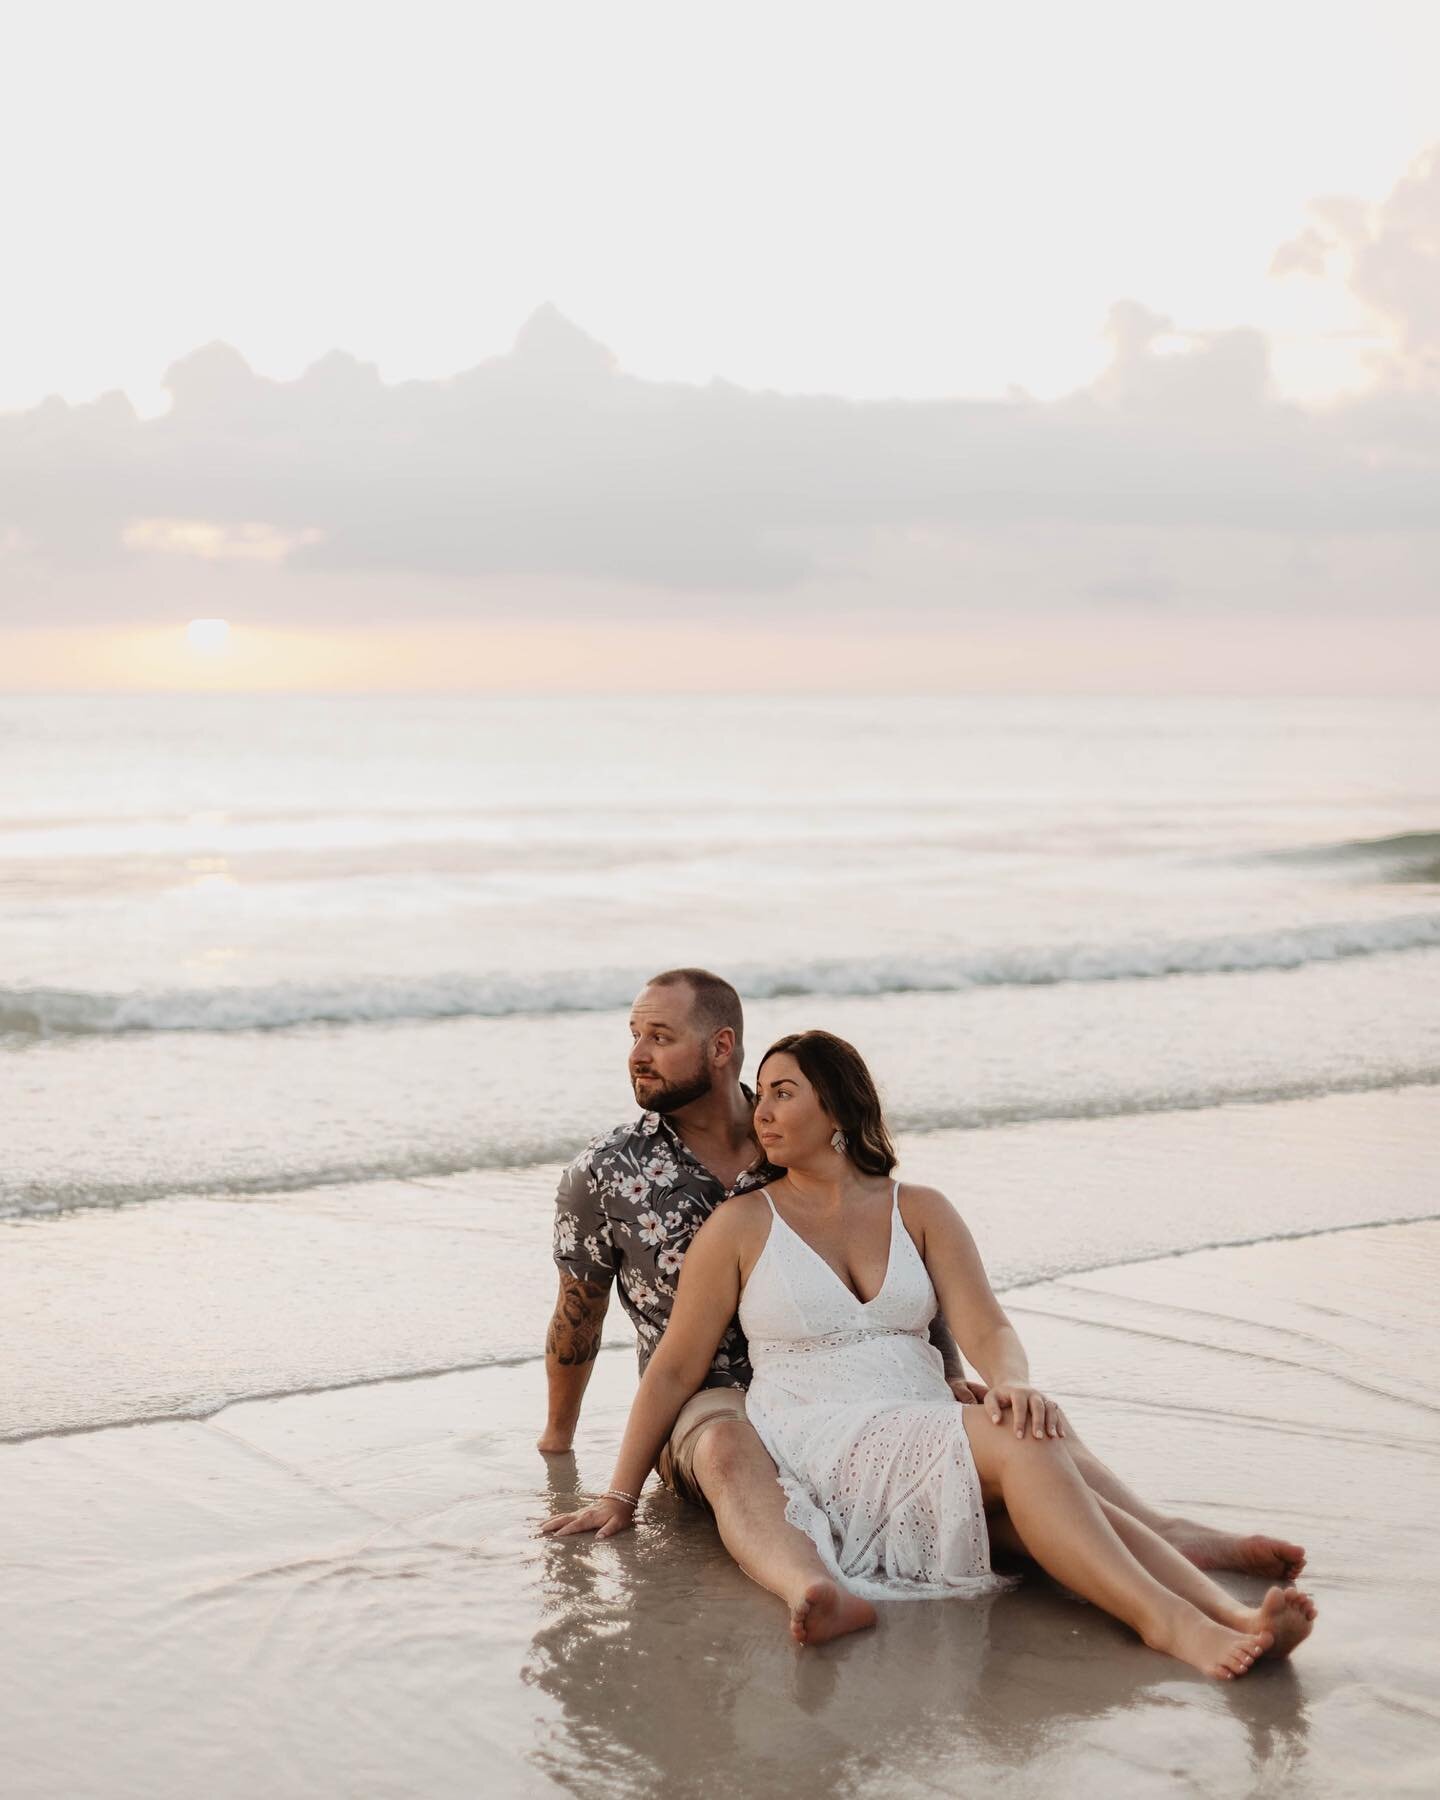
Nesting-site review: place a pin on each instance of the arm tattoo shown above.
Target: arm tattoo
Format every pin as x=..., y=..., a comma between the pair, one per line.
x=574, y=1334
x=944, y=1342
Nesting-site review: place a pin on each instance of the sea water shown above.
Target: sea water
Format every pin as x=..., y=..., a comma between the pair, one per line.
x=249, y=945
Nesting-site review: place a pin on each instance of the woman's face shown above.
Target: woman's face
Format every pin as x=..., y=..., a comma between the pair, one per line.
x=790, y=1123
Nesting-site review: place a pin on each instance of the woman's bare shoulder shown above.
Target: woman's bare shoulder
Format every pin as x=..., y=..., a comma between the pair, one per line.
x=928, y=1199
x=744, y=1211
x=738, y=1217
x=924, y=1206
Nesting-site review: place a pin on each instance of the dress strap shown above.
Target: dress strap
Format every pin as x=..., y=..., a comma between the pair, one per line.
x=895, y=1197
x=766, y=1192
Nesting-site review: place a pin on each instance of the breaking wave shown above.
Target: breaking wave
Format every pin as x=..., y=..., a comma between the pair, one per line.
x=48, y=1011
x=1406, y=856
x=39, y=1199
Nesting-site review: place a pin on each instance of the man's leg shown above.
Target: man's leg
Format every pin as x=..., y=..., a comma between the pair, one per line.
x=729, y=1466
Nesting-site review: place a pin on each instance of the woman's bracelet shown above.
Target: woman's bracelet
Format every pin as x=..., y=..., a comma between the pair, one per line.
x=620, y=1494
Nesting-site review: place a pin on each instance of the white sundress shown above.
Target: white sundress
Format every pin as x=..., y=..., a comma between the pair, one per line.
x=849, y=1398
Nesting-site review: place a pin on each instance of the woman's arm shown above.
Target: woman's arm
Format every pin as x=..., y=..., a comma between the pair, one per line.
x=966, y=1297
x=705, y=1303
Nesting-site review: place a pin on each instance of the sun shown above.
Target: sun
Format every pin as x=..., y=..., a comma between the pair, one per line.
x=208, y=637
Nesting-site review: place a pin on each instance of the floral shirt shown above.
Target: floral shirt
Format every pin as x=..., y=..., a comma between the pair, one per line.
x=627, y=1209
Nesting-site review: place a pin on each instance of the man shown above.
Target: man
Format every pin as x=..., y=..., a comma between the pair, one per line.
x=627, y=1208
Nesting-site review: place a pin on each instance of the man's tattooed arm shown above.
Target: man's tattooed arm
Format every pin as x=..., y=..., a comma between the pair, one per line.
x=944, y=1341
x=574, y=1334
x=571, y=1346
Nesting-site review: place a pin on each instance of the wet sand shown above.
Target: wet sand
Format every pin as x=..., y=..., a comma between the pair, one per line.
x=343, y=1593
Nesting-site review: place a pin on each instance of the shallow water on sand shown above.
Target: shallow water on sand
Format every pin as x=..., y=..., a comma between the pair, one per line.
x=344, y=1593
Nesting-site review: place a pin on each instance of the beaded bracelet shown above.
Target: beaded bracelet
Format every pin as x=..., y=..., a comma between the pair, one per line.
x=619, y=1494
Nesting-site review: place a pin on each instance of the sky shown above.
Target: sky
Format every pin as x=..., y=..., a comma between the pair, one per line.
x=794, y=345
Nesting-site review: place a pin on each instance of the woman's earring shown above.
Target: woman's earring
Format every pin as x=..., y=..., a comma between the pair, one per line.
x=837, y=1142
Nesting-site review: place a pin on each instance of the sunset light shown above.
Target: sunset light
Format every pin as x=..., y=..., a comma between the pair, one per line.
x=208, y=637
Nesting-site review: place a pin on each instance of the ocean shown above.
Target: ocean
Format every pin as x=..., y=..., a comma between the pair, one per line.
x=372, y=957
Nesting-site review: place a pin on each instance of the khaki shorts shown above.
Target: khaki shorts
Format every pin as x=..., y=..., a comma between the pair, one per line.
x=675, y=1464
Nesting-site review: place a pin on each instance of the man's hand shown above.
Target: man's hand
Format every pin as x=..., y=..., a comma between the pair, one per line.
x=968, y=1393
x=1030, y=1409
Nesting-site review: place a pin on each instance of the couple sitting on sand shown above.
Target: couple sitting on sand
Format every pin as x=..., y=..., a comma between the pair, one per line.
x=800, y=1381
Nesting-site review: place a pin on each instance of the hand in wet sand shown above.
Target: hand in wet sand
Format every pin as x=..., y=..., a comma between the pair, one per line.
x=605, y=1518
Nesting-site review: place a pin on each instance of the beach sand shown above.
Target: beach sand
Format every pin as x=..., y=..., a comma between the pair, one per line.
x=343, y=1593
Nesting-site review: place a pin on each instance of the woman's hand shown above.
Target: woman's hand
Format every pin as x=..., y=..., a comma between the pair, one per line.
x=1029, y=1408
x=605, y=1517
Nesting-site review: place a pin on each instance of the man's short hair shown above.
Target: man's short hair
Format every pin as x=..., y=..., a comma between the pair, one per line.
x=715, y=1002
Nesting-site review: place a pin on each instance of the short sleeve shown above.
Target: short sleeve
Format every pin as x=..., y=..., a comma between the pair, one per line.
x=584, y=1244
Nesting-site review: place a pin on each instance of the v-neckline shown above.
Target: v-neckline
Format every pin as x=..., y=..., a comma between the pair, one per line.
x=826, y=1264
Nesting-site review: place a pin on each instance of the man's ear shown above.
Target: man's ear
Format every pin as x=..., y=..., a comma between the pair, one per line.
x=722, y=1045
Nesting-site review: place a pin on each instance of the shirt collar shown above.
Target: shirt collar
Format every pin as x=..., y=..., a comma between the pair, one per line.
x=653, y=1123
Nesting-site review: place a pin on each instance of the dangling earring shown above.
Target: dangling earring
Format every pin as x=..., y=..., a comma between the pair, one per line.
x=837, y=1142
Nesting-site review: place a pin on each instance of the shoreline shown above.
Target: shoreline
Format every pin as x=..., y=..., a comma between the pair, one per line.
x=214, y=1302
x=343, y=1592
x=121, y=1199
x=618, y=1347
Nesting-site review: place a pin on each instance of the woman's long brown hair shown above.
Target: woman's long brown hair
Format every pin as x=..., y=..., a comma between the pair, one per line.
x=846, y=1089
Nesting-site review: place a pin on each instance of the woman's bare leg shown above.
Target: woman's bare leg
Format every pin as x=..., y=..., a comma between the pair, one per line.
x=737, y=1477
x=1062, y=1525
x=1174, y=1571
x=1206, y=1546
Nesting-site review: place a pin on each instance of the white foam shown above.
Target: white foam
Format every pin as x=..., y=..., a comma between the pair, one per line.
x=46, y=1011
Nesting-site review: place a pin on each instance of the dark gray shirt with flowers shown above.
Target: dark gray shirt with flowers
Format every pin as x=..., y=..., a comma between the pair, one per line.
x=626, y=1210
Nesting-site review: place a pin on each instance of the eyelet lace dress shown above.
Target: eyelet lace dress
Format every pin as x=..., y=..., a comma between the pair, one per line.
x=849, y=1398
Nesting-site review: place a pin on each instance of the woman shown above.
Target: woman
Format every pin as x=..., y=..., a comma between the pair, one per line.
x=836, y=1272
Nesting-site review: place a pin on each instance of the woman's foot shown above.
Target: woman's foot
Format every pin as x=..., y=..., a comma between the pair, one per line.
x=1283, y=1619
x=1212, y=1649
x=826, y=1610
x=1287, y=1617
x=1273, y=1558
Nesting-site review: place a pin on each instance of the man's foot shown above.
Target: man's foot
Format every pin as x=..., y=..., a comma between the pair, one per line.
x=1287, y=1616
x=1273, y=1558
x=826, y=1610
x=1213, y=1649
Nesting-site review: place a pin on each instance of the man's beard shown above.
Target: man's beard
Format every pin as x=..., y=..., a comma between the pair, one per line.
x=670, y=1096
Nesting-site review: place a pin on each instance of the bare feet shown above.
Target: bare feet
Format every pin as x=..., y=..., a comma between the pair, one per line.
x=1273, y=1558
x=1288, y=1617
x=826, y=1610
x=1283, y=1619
x=1213, y=1649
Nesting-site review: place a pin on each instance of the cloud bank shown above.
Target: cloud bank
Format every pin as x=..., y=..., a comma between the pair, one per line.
x=549, y=477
